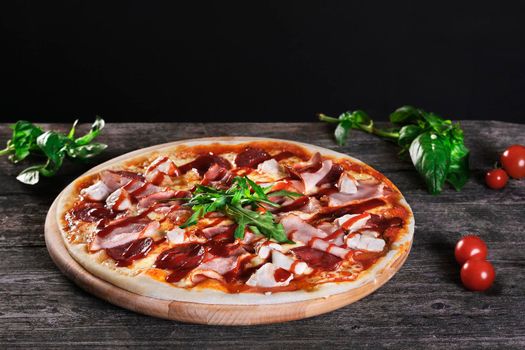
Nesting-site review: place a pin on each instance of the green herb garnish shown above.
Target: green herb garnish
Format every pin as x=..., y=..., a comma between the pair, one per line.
x=239, y=202
x=29, y=139
x=435, y=145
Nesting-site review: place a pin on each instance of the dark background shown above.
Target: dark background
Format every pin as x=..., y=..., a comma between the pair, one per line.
x=259, y=61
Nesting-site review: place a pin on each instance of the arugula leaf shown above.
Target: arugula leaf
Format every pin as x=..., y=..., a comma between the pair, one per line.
x=430, y=155
x=235, y=202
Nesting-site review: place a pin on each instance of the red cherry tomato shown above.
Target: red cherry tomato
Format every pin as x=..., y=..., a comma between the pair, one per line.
x=477, y=275
x=470, y=247
x=496, y=178
x=513, y=161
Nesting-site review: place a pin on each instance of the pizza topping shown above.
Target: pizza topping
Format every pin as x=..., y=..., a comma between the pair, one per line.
x=353, y=222
x=153, y=198
x=365, y=190
x=311, y=179
x=96, y=192
x=123, y=231
x=347, y=184
x=269, y=222
x=91, y=212
x=365, y=241
x=298, y=230
x=273, y=169
x=251, y=157
x=317, y=259
x=180, y=260
x=125, y=254
x=119, y=200
x=289, y=264
x=176, y=235
x=265, y=277
x=203, y=162
x=217, y=176
x=264, y=249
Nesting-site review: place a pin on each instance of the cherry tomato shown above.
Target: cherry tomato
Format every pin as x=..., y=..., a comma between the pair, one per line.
x=513, y=161
x=470, y=247
x=477, y=275
x=496, y=178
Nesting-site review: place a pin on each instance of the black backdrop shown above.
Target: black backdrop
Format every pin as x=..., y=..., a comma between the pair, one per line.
x=259, y=61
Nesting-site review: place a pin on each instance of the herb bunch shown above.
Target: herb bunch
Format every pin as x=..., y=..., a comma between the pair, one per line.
x=435, y=145
x=29, y=139
x=240, y=202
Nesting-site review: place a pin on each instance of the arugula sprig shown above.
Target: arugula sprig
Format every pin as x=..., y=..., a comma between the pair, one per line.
x=29, y=139
x=435, y=145
x=240, y=202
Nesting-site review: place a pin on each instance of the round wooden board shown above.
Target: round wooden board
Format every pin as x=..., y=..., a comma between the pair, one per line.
x=212, y=314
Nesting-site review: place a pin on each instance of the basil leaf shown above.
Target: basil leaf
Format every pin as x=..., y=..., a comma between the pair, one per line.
x=30, y=176
x=430, y=155
x=407, y=134
x=437, y=123
x=406, y=115
x=86, y=151
x=71, y=133
x=458, y=171
x=23, y=140
x=95, y=130
x=341, y=132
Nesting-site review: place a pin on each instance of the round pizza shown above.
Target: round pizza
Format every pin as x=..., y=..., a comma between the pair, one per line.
x=236, y=221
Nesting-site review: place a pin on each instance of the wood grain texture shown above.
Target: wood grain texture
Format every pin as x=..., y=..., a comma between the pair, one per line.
x=423, y=306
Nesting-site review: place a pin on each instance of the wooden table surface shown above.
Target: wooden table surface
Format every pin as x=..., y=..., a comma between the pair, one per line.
x=423, y=306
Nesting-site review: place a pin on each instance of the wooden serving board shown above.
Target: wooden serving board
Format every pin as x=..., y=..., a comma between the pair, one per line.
x=191, y=312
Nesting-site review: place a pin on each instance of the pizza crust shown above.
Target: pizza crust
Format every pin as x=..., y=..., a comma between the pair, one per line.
x=145, y=285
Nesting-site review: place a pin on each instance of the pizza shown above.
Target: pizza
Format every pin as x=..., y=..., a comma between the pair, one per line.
x=235, y=221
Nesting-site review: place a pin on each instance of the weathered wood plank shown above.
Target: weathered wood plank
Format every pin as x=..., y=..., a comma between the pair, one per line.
x=424, y=305
x=424, y=301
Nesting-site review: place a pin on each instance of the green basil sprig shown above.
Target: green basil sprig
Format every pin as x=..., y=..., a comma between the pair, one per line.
x=435, y=145
x=30, y=139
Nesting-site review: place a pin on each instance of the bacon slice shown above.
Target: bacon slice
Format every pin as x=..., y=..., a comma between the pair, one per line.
x=217, y=175
x=116, y=179
x=312, y=165
x=365, y=190
x=96, y=192
x=298, y=230
x=212, y=231
x=149, y=200
x=347, y=184
x=118, y=234
x=311, y=180
x=265, y=277
x=160, y=167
